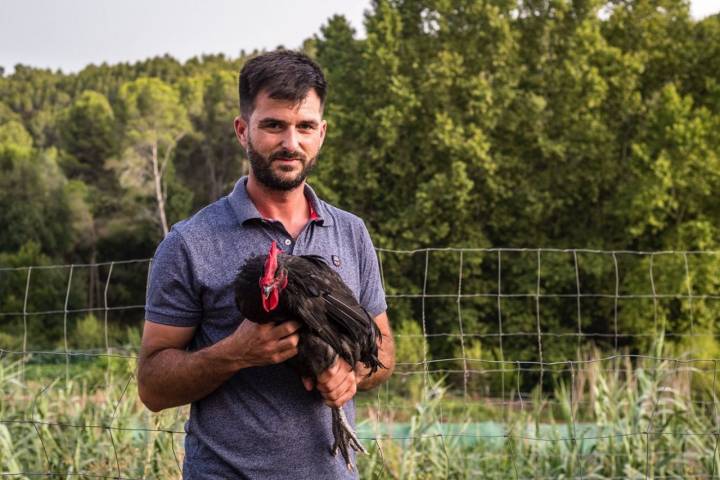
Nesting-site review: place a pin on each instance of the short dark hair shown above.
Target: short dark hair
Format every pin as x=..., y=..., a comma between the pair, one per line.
x=284, y=74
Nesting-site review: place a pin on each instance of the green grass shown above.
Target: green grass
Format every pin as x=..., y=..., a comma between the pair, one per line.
x=617, y=419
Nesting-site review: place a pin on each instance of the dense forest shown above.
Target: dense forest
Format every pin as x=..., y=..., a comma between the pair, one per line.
x=469, y=124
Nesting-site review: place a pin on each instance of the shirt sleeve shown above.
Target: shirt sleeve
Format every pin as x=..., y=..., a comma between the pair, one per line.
x=173, y=296
x=372, y=294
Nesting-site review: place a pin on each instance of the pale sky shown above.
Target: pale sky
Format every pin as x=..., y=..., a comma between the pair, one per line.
x=70, y=34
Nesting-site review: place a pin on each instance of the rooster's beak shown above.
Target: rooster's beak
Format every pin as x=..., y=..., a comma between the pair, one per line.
x=267, y=291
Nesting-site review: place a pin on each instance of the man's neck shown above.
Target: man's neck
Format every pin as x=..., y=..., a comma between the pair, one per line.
x=289, y=207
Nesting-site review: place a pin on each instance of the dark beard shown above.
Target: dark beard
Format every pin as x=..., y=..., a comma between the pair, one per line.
x=261, y=167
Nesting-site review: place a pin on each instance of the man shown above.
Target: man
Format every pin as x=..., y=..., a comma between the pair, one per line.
x=251, y=415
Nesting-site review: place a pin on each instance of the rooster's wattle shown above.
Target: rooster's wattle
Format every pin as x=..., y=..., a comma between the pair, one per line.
x=277, y=287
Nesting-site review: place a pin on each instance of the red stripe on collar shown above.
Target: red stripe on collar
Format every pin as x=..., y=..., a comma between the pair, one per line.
x=313, y=213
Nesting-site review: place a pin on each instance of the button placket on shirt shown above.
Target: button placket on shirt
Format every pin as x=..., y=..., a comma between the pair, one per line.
x=285, y=238
x=276, y=230
x=302, y=241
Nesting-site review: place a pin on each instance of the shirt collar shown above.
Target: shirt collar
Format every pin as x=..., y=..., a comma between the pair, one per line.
x=245, y=209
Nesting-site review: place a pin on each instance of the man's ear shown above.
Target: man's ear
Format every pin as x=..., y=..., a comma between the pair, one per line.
x=241, y=131
x=323, y=131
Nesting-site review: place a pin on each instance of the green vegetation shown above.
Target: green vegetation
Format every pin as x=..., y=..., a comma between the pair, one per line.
x=467, y=124
x=571, y=124
x=613, y=420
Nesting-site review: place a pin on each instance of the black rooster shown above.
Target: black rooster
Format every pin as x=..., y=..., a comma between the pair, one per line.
x=277, y=287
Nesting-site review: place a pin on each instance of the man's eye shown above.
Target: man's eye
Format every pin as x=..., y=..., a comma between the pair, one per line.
x=306, y=126
x=271, y=125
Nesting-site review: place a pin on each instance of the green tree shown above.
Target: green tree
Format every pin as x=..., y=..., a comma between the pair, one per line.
x=212, y=146
x=415, y=107
x=33, y=201
x=87, y=130
x=154, y=121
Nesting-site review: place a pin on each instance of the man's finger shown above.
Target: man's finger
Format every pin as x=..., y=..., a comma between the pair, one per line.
x=288, y=343
x=336, y=381
x=340, y=401
x=283, y=355
x=263, y=328
x=330, y=372
x=308, y=383
x=340, y=397
x=336, y=393
x=329, y=382
x=285, y=329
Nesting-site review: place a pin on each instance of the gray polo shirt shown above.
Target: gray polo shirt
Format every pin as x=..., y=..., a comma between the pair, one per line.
x=261, y=423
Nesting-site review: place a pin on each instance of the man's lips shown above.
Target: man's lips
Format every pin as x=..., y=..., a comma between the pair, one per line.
x=286, y=159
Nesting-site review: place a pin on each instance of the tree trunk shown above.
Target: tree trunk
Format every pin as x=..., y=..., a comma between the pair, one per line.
x=157, y=177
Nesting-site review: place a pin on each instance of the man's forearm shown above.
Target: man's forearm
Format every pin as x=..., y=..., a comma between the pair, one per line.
x=386, y=354
x=172, y=377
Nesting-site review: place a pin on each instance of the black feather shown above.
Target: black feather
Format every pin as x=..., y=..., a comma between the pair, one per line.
x=333, y=323
x=317, y=297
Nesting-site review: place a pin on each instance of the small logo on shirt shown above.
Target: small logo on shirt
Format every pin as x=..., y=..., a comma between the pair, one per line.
x=335, y=260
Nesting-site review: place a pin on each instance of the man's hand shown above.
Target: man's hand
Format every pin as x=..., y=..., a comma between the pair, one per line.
x=169, y=376
x=256, y=345
x=337, y=384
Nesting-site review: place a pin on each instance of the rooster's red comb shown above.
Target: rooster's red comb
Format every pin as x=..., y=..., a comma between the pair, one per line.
x=271, y=261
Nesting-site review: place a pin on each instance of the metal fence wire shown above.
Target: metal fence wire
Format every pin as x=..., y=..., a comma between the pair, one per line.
x=511, y=363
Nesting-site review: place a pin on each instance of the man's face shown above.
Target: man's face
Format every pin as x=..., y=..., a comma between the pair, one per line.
x=282, y=139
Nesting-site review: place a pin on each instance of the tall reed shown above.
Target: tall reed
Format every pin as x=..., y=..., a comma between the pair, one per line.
x=610, y=418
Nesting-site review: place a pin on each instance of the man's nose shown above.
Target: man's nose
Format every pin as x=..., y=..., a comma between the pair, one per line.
x=291, y=139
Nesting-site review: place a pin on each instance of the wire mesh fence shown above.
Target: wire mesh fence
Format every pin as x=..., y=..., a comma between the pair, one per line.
x=511, y=363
